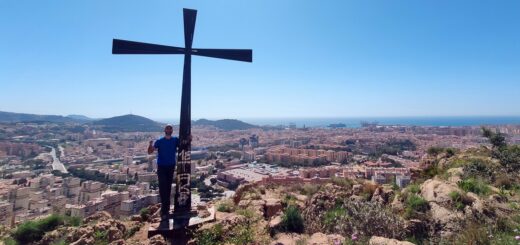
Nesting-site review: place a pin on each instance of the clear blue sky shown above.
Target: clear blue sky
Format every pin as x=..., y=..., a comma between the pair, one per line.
x=311, y=58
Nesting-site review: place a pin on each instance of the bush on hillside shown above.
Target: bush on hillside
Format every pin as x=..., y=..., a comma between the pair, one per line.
x=476, y=186
x=145, y=214
x=292, y=220
x=478, y=168
x=459, y=200
x=225, y=206
x=33, y=230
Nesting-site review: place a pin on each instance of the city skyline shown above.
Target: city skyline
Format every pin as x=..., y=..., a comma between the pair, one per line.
x=312, y=59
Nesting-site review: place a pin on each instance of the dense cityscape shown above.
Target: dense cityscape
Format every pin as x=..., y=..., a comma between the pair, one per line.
x=78, y=169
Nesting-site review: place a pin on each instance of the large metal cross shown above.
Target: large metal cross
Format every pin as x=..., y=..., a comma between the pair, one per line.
x=182, y=198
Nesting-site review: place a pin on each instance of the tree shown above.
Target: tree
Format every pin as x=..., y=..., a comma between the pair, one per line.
x=486, y=132
x=498, y=140
x=509, y=155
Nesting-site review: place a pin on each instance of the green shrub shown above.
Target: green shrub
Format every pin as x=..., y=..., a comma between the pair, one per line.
x=27, y=232
x=33, y=230
x=10, y=240
x=459, y=200
x=417, y=203
x=347, y=217
x=476, y=233
x=226, y=206
x=454, y=195
x=414, y=204
x=510, y=157
x=332, y=216
x=50, y=222
x=451, y=152
x=101, y=237
x=145, y=214
x=292, y=220
x=130, y=232
x=211, y=236
x=243, y=234
x=476, y=186
x=343, y=182
x=309, y=190
x=496, y=139
x=456, y=199
x=478, y=169
x=414, y=188
x=472, y=234
x=431, y=171
x=503, y=238
x=434, y=150
x=73, y=221
x=289, y=200
x=245, y=231
x=246, y=212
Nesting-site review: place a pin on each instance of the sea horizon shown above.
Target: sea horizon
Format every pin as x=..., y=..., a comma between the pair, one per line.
x=355, y=122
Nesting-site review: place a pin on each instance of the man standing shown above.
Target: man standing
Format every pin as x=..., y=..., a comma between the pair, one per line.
x=167, y=154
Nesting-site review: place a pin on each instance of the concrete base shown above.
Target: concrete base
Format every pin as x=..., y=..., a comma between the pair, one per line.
x=179, y=229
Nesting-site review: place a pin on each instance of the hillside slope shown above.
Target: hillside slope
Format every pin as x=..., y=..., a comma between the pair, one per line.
x=128, y=123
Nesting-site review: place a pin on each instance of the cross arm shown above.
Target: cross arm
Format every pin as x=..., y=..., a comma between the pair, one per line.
x=130, y=47
x=228, y=54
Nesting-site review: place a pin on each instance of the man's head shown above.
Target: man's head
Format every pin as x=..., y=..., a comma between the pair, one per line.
x=168, y=130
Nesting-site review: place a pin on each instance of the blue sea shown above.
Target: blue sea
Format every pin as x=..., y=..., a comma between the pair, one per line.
x=354, y=122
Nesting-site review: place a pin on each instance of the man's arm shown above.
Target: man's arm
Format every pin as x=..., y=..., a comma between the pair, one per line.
x=151, y=148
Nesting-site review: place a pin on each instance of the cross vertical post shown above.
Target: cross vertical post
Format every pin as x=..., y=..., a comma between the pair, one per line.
x=182, y=198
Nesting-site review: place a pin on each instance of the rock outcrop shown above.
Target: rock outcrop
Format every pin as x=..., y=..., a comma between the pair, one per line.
x=325, y=239
x=272, y=207
x=376, y=240
x=382, y=195
x=157, y=240
x=98, y=227
x=434, y=190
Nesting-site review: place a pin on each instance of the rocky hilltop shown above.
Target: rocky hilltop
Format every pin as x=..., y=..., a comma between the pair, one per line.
x=469, y=197
x=100, y=228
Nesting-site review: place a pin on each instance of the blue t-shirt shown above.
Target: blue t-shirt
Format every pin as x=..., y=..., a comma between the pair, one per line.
x=167, y=149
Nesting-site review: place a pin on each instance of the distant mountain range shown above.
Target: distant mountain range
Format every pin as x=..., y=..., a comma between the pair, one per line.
x=11, y=117
x=124, y=123
x=81, y=118
x=224, y=124
x=128, y=123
